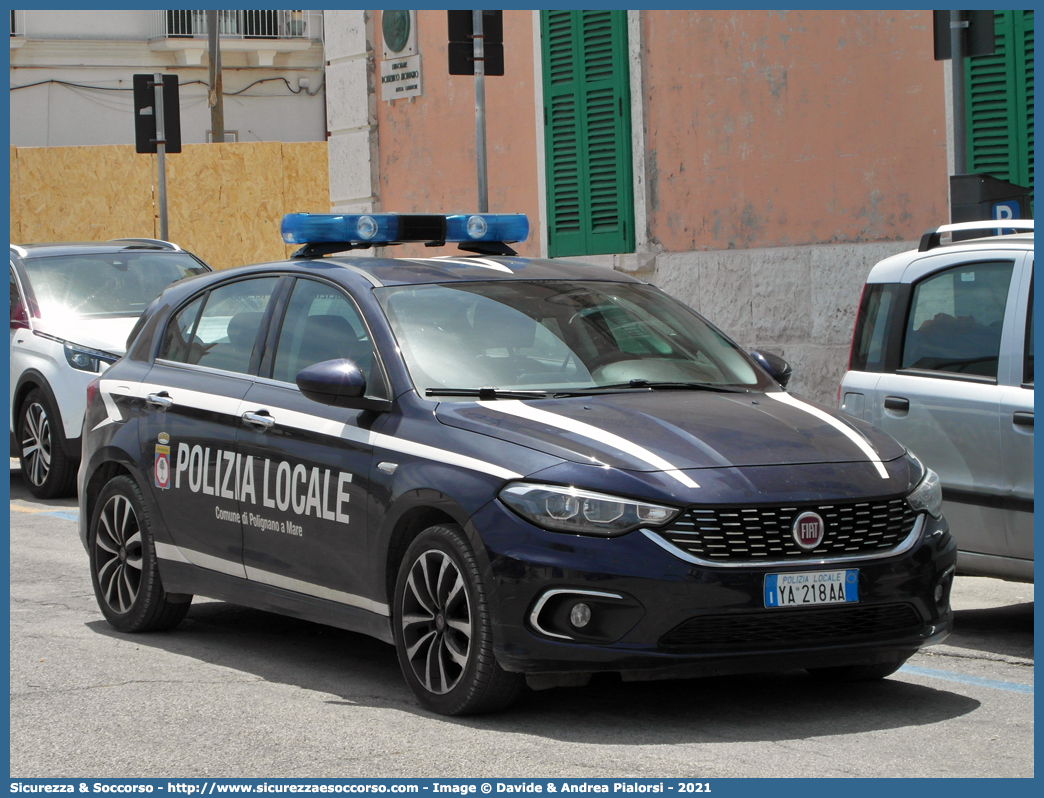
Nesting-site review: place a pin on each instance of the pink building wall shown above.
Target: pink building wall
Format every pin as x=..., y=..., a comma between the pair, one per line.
x=762, y=129
x=785, y=128
x=427, y=146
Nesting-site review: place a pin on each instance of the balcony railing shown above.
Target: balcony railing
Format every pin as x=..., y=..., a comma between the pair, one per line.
x=260, y=24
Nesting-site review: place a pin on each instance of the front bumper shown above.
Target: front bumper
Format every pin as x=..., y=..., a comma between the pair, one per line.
x=657, y=616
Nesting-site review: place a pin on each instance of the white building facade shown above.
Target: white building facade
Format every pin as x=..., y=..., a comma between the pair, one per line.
x=72, y=74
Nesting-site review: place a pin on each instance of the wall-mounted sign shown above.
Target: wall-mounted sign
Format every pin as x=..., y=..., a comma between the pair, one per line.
x=401, y=67
x=399, y=33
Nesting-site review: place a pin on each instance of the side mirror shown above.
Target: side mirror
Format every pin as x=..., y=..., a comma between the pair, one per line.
x=339, y=383
x=777, y=367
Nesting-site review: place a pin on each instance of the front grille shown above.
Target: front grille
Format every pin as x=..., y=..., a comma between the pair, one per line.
x=786, y=628
x=753, y=534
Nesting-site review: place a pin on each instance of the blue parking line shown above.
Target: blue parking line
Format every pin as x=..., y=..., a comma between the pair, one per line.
x=950, y=676
x=73, y=516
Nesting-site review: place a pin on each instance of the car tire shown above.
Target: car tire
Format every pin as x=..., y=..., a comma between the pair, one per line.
x=443, y=631
x=124, y=571
x=47, y=471
x=859, y=673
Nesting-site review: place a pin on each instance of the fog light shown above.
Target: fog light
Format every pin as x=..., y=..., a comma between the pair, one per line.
x=580, y=615
x=938, y=593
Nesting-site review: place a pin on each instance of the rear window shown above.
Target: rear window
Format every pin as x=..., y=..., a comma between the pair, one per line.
x=871, y=331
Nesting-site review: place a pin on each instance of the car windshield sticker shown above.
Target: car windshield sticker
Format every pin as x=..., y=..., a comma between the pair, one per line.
x=515, y=407
x=840, y=426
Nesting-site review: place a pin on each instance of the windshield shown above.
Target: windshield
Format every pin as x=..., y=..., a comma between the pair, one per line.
x=557, y=336
x=105, y=285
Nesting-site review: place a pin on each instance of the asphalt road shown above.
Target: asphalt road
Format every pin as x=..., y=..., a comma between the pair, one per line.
x=234, y=692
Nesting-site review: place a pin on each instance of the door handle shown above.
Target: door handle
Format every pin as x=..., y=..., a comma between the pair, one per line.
x=259, y=419
x=897, y=403
x=161, y=400
x=1022, y=418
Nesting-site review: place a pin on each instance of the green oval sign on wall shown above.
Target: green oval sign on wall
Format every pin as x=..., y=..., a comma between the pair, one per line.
x=396, y=28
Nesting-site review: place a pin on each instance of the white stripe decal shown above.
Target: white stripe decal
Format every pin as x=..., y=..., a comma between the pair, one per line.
x=485, y=264
x=167, y=551
x=840, y=426
x=295, y=420
x=443, y=456
x=285, y=417
x=515, y=407
x=296, y=585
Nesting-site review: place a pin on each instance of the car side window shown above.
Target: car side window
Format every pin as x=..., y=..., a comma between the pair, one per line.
x=222, y=334
x=868, y=350
x=321, y=323
x=955, y=320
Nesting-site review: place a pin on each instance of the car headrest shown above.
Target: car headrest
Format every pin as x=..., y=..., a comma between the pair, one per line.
x=242, y=329
x=328, y=337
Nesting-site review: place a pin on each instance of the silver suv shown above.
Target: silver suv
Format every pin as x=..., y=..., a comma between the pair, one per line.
x=942, y=360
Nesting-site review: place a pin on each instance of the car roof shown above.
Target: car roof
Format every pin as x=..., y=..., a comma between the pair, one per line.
x=891, y=269
x=379, y=271
x=60, y=248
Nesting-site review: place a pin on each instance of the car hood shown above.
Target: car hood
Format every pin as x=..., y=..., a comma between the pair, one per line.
x=106, y=334
x=677, y=430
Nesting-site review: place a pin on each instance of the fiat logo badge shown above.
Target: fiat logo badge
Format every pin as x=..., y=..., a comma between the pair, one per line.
x=808, y=530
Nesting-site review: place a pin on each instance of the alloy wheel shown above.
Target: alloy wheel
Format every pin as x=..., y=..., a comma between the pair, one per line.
x=36, y=443
x=437, y=625
x=118, y=554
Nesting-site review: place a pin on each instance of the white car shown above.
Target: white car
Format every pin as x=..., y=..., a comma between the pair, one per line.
x=942, y=360
x=72, y=308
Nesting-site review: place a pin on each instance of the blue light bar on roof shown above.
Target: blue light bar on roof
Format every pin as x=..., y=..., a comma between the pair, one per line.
x=378, y=228
x=315, y=228
x=487, y=227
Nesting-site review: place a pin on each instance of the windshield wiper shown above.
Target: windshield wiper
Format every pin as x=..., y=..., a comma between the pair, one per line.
x=645, y=385
x=485, y=394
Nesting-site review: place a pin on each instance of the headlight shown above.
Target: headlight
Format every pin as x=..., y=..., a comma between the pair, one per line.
x=927, y=496
x=84, y=359
x=917, y=468
x=582, y=512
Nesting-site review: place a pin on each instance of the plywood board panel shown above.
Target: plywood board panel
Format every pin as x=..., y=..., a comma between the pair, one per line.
x=16, y=228
x=306, y=179
x=225, y=202
x=84, y=193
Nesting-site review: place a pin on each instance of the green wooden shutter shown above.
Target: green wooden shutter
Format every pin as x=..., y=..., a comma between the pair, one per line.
x=587, y=132
x=999, y=102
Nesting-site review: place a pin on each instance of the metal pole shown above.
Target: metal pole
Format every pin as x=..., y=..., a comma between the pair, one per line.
x=480, y=110
x=214, y=97
x=960, y=146
x=161, y=155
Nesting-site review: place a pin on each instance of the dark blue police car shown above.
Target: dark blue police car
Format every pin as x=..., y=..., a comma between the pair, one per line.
x=511, y=469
